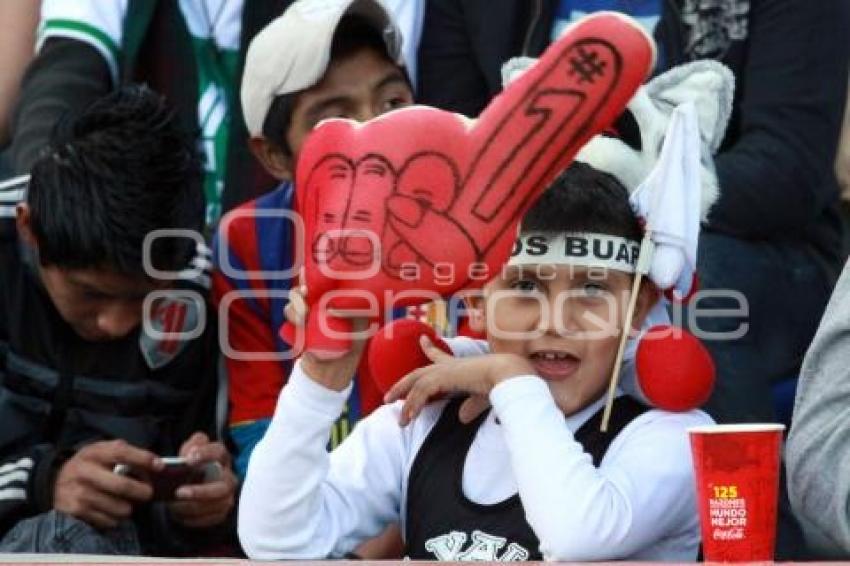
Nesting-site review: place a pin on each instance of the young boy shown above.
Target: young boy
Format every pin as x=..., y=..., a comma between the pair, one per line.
x=532, y=478
x=318, y=60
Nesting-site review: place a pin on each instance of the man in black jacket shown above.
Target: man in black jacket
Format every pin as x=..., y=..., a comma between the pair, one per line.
x=84, y=385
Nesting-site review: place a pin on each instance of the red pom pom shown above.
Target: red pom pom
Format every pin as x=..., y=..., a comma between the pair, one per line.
x=674, y=370
x=394, y=351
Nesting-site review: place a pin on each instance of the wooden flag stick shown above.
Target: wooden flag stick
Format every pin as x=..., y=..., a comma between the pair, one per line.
x=643, y=263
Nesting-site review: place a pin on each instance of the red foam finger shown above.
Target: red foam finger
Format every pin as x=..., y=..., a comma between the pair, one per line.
x=436, y=188
x=331, y=182
x=532, y=131
x=408, y=225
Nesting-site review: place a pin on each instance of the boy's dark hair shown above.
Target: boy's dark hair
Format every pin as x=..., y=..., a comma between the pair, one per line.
x=353, y=33
x=111, y=175
x=584, y=199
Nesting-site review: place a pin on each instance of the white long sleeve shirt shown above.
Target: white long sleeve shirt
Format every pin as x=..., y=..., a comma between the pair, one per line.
x=300, y=502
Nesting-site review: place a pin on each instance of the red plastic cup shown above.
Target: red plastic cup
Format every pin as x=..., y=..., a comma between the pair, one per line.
x=737, y=475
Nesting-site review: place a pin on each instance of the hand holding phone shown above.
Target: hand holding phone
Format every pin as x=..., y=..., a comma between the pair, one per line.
x=175, y=473
x=207, y=504
x=86, y=488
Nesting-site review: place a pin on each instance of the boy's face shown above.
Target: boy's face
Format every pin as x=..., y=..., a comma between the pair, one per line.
x=564, y=320
x=360, y=86
x=98, y=304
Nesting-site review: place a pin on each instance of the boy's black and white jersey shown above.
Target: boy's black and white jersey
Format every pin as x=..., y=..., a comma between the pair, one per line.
x=459, y=529
x=301, y=502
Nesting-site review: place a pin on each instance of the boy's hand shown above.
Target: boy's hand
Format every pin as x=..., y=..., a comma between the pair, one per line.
x=332, y=372
x=475, y=375
x=88, y=489
x=207, y=504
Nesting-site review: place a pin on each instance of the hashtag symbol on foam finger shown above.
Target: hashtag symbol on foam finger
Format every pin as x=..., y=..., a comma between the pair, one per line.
x=587, y=65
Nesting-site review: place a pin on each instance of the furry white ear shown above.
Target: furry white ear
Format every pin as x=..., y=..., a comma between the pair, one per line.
x=709, y=85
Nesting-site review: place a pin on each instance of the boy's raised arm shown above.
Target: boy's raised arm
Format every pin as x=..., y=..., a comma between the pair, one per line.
x=299, y=501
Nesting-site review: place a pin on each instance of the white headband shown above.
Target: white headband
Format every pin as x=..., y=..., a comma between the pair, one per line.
x=578, y=249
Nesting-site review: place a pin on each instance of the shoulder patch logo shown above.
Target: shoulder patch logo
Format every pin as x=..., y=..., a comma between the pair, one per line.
x=171, y=321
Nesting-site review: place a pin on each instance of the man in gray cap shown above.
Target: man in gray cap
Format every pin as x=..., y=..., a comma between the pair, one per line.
x=321, y=59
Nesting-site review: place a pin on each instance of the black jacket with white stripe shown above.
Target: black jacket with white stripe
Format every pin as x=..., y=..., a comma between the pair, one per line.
x=59, y=392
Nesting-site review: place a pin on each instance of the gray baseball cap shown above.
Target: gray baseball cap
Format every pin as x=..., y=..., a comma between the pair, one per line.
x=292, y=52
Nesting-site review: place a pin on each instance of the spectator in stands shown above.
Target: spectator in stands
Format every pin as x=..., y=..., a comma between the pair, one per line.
x=818, y=449
x=286, y=91
x=318, y=60
x=18, y=20
x=83, y=385
x=192, y=51
x=189, y=51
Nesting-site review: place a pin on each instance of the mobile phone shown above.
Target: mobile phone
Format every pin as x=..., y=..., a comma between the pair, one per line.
x=175, y=473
